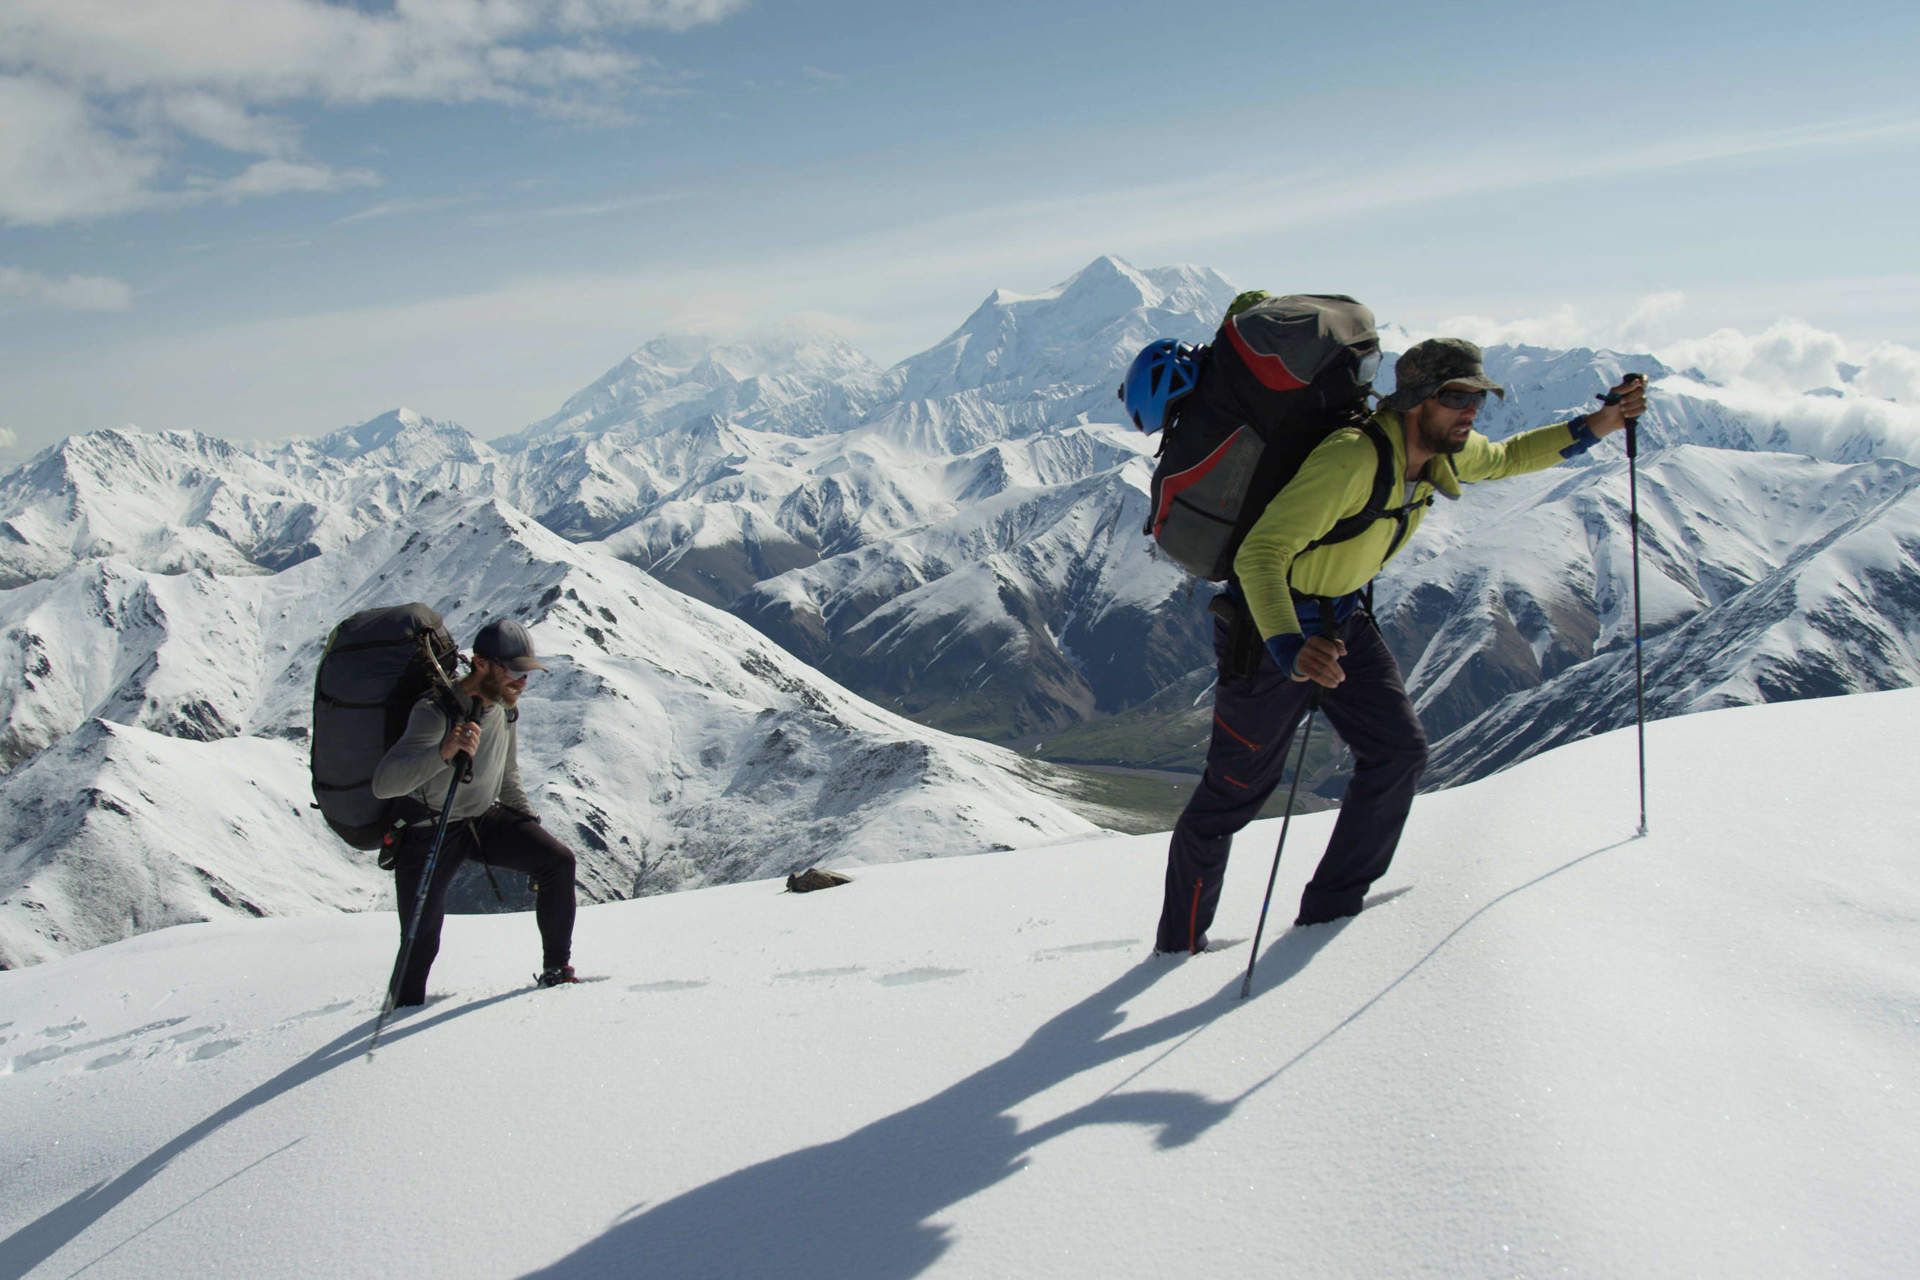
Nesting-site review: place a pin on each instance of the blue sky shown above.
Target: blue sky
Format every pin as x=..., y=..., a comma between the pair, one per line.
x=261, y=218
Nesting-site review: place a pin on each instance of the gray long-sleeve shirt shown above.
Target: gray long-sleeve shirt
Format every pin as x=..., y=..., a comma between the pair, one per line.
x=413, y=767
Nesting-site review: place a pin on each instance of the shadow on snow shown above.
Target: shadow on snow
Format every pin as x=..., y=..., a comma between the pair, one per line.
x=864, y=1205
x=53, y=1230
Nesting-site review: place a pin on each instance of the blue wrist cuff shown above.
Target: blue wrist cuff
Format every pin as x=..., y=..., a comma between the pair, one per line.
x=1583, y=438
x=1285, y=650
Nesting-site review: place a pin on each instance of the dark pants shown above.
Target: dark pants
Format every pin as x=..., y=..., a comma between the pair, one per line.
x=500, y=837
x=1254, y=721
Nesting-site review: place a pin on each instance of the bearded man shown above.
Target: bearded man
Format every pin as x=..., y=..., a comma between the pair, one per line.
x=1293, y=630
x=490, y=820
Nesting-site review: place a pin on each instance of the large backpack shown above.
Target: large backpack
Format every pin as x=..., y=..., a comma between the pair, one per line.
x=376, y=665
x=1282, y=374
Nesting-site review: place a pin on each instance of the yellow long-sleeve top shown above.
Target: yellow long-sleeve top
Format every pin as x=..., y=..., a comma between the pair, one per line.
x=1335, y=482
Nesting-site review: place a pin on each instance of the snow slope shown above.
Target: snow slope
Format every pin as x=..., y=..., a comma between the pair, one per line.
x=1549, y=1047
x=163, y=722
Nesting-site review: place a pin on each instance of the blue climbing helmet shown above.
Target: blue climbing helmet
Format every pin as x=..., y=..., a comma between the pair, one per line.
x=1162, y=373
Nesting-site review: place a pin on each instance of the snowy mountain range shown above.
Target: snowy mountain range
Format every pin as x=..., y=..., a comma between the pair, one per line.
x=157, y=726
x=955, y=539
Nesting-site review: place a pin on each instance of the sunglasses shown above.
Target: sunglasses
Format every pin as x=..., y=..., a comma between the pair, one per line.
x=1452, y=398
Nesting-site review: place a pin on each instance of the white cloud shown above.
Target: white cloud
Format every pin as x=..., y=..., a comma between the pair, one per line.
x=1789, y=356
x=585, y=209
x=1769, y=374
x=1891, y=372
x=1648, y=323
x=278, y=177
x=399, y=208
x=58, y=161
x=1561, y=326
x=102, y=93
x=227, y=124
x=286, y=50
x=72, y=293
x=1848, y=427
x=8, y=439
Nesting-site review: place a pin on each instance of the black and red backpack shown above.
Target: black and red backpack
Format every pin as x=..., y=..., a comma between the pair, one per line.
x=1282, y=374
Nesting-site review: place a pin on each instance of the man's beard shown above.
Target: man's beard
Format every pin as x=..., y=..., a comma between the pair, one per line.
x=1441, y=441
x=497, y=686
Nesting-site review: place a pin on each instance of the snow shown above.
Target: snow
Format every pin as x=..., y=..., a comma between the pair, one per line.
x=1548, y=1047
x=670, y=744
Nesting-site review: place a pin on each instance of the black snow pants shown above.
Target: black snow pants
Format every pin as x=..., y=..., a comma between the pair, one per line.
x=500, y=837
x=1255, y=717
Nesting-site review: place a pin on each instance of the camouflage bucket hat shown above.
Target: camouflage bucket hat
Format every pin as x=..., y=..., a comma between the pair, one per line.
x=1425, y=367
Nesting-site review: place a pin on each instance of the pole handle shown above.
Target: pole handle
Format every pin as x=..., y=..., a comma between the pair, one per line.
x=1633, y=424
x=463, y=761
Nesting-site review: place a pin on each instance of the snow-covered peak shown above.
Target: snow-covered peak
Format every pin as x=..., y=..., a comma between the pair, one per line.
x=403, y=436
x=1081, y=329
x=768, y=381
x=718, y=359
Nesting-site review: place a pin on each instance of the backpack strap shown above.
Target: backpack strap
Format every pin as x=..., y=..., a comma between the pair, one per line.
x=443, y=701
x=1384, y=480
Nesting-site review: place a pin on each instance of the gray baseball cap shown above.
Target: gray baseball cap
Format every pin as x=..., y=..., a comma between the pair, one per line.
x=506, y=642
x=1426, y=367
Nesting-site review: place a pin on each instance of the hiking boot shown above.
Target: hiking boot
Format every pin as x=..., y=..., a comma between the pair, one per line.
x=556, y=977
x=1324, y=917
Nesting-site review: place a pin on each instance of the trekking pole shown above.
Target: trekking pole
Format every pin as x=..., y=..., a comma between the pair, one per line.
x=1299, y=766
x=1328, y=627
x=462, y=772
x=1639, y=670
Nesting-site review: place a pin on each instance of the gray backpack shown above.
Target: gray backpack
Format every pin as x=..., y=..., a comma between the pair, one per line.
x=376, y=665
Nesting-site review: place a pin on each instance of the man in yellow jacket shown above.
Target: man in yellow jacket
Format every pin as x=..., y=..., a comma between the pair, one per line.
x=1303, y=603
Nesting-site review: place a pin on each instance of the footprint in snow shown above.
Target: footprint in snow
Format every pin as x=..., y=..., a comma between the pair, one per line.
x=805, y=974
x=52, y=1052
x=64, y=1030
x=1077, y=948
x=321, y=1012
x=908, y=977
x=212, y=1049
x=670, y=984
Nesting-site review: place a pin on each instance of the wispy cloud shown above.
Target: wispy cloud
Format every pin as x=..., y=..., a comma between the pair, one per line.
x=583, y=209
x=280, y=177
x=1248, y=203
x=98, y=95
x=68, y=293
x=403, y=208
